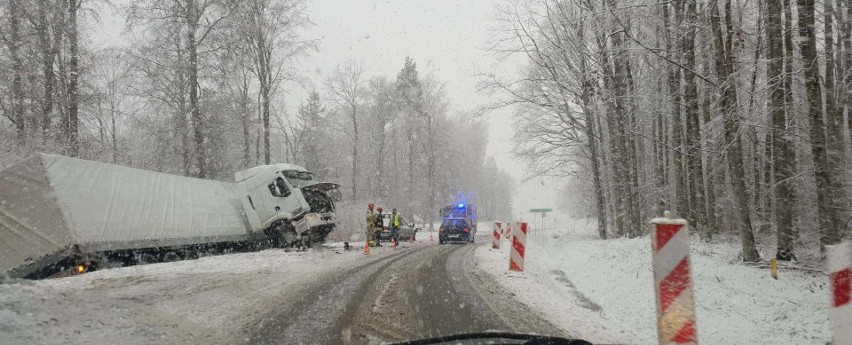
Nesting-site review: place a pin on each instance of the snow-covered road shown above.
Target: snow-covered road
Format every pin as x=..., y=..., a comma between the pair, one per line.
x=421, y=290
x=418, y=292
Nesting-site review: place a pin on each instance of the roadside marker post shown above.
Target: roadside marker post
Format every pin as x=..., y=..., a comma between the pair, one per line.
x=840, y=278
x=519, y=242
x=673, y=281
x=498, y=233
x=367, y=246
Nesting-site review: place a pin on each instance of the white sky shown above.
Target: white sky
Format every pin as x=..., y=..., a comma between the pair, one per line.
x=443, y=37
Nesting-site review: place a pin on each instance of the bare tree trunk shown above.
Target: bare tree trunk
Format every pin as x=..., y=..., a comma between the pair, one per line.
x=790, y=101
x=834, y=130
x=14, y=42
x=619, y=206
x=829, y=233
x=693, y=132
x=73, y=75
x=783, y=154
x=634, y=151
x=675, y=74
x=380, y=160
x=114, y=132
x=430, y=171
x=712, y=172
x=847, y=58
x=728, y=107
x=394, y=141
x=264, y=74
x=245, y=121
x=354, y=116
x=410, y=187
x=760, y=163
x=264, y=111
x=48, y=54
x=591, y=135
x=192, y=71
x=180, y=116
x=620, y=77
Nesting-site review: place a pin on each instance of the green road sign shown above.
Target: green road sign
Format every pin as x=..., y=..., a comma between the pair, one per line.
x=541, y=210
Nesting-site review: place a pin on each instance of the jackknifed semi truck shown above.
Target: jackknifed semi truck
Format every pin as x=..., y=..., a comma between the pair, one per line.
x=61, y=215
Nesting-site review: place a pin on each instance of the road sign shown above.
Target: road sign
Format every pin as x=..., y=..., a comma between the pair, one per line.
x=541, y=210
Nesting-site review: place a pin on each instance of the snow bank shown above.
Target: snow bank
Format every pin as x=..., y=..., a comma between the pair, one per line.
x=603, y=290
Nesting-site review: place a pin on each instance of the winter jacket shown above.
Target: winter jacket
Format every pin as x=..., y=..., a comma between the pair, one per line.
x=379, y=221
x=395, y=221
x=371, y=218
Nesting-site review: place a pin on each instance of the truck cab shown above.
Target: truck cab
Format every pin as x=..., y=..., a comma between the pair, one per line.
x=285, y=203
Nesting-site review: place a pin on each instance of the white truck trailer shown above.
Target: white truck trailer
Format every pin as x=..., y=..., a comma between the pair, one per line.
x=59, y=214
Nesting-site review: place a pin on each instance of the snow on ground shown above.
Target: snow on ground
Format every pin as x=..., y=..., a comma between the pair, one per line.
x=216, y=299
x=603, y=290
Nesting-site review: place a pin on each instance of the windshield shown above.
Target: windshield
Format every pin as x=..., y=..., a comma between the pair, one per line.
x=298, y=178
x=615, y=171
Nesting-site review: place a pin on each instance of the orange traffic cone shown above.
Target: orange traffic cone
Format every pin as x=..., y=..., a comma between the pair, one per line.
x=367, y=246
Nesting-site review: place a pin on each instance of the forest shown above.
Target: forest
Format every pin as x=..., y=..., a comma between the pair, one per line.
x=732, y=114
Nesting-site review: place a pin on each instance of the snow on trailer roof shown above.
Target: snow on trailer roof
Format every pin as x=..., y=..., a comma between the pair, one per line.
x=49, y=203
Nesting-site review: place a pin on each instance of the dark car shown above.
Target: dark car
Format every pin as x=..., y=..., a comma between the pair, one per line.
x=456, y=230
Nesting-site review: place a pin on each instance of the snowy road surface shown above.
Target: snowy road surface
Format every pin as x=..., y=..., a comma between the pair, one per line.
x=412, y=293
x=420, y=290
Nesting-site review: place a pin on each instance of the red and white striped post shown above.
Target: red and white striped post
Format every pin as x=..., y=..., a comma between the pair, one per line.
x=840, y=277
x=673, y=281
x=519, y=242
x=498, y=233
x=507, y=233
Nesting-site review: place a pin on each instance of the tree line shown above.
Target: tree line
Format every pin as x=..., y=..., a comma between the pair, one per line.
x=200, y=88
x=732, y=114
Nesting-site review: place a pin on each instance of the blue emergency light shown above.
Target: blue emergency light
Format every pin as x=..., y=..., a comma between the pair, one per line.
x=461, y=205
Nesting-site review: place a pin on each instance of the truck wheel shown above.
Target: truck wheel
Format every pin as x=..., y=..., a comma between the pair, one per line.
x=146, y=258
x=171, y=257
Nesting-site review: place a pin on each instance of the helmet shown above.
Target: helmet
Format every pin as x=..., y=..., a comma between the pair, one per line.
x=379, y=209
x=370, y=206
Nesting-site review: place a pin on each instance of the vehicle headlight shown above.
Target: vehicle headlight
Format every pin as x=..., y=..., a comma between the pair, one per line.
x=312, y=216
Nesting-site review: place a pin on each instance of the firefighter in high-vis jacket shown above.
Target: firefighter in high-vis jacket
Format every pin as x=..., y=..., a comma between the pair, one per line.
x=371, y=222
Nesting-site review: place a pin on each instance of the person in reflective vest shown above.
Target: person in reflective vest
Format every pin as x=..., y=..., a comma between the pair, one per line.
x=394, y=226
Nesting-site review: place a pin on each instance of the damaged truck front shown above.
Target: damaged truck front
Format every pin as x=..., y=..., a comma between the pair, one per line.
x=61, y=214
x=287, y=204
